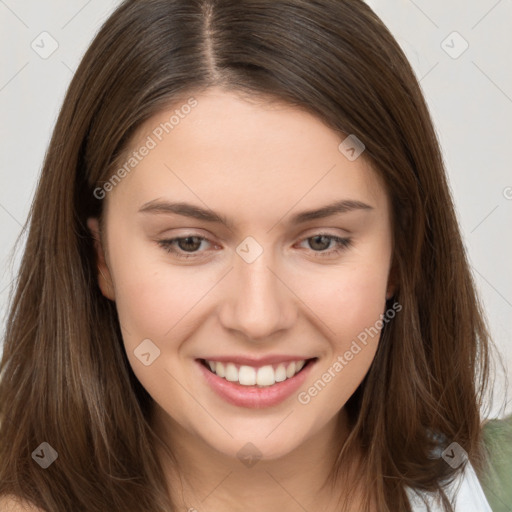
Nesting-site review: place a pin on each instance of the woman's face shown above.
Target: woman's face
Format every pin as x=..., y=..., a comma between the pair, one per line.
x=267, y=286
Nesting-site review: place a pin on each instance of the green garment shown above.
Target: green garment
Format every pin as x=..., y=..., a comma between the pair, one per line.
x=497, y=482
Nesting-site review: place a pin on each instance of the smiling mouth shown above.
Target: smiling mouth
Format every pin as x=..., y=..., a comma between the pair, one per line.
x=264, y=376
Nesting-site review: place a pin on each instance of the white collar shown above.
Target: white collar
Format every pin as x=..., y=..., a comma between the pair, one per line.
x=465, y=493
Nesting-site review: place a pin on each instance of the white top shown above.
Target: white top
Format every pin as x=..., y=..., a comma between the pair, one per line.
x=465, y=494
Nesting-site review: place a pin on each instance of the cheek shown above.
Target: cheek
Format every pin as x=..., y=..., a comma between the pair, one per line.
x=334, y=383
x=347, y=299
x=154, y=302
x=151, y=296
x=351, y=308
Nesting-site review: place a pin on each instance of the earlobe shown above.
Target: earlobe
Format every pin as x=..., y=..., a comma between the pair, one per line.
x=104, y=277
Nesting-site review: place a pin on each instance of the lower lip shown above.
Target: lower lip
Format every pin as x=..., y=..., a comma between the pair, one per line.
x=253, y=396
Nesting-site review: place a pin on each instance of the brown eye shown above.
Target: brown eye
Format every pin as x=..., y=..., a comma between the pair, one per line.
x=320, y=242
x=187, y=244
x=190, y=243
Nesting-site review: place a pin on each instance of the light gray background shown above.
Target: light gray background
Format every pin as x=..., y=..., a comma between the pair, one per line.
x=469, y=95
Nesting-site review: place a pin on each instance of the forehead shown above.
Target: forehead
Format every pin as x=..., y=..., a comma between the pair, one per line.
x=225, y=146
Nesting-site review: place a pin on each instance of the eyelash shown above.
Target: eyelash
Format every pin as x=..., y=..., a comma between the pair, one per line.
x=343, y=244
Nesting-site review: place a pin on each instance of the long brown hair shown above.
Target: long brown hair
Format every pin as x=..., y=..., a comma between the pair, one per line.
x=65, y=378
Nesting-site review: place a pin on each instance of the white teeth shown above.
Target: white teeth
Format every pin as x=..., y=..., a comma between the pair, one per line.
x=219, y=369
x=265, y=376
x=231, y=372
x=290, y=370
x=249, y=376
x=280, y=373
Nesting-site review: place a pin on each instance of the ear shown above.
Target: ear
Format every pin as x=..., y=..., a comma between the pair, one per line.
x=104, y=277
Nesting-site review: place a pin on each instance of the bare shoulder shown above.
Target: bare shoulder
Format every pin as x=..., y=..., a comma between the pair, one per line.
x=10, y=503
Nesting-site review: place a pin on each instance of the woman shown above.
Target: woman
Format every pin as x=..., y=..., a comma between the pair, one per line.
x=319, y=347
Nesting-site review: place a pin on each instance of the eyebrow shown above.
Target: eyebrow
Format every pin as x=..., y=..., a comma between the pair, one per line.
x=157, y=206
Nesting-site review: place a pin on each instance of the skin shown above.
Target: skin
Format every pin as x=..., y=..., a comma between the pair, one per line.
x=257, y=165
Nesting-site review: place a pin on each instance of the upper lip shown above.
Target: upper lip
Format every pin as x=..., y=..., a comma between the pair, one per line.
x=256, y=361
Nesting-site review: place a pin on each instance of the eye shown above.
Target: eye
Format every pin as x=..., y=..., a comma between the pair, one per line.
x=187, y=247
x=320, y=240
x=186, y=244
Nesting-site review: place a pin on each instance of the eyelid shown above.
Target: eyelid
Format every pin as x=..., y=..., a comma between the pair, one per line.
x=341, y=244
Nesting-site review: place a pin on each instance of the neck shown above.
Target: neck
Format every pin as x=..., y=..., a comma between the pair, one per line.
x=204, y=479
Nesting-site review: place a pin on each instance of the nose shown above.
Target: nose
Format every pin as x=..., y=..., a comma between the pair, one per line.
x=259, y=301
